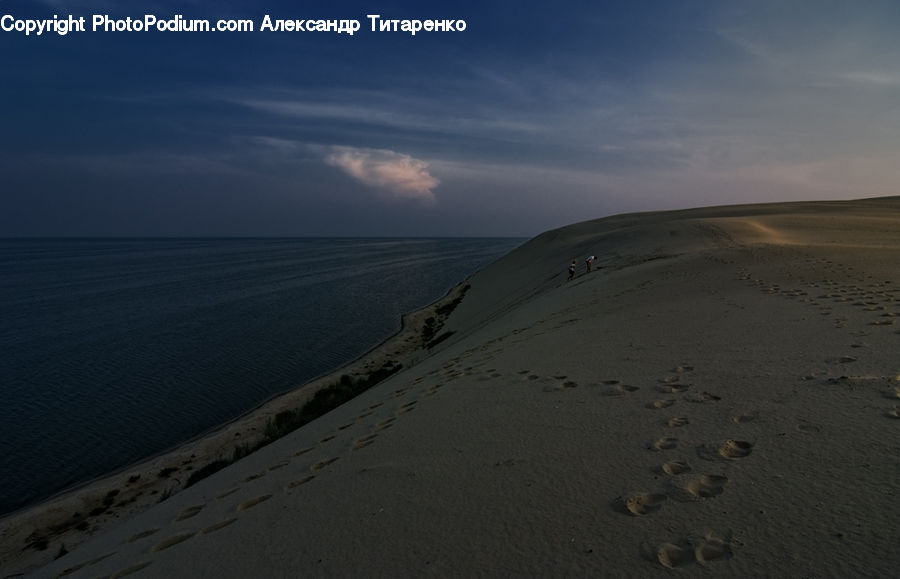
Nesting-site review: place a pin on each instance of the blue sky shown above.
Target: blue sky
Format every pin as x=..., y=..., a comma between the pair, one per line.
x=537, y=115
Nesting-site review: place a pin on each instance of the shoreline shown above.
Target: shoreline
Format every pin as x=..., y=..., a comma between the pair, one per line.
x=34, y=535
x=671, y=410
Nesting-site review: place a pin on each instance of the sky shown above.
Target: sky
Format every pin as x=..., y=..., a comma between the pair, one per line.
x=535, y=116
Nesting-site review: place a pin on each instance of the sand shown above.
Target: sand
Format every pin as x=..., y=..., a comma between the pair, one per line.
x=720, y=395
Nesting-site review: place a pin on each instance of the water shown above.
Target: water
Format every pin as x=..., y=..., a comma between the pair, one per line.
x=115, y=350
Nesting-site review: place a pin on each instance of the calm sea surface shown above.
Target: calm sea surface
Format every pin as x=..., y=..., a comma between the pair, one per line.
x=115, y=350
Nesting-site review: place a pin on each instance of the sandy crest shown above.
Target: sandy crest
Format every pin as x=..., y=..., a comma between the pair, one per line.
x=720, y=396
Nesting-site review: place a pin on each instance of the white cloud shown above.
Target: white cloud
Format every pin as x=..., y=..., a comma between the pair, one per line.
x=878, y=79
x=397, y=111
x=395, y=175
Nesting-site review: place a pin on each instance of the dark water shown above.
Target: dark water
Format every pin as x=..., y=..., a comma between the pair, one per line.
x=114, y=350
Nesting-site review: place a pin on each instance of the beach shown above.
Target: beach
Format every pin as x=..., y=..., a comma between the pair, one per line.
x=721, y=394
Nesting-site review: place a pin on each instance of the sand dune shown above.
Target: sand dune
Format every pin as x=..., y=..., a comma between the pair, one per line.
x=721, y=395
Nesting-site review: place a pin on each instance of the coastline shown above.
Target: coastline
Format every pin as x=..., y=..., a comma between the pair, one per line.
x=35, y=535
x=719, y=395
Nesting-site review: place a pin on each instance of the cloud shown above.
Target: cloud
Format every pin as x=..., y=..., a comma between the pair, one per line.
x=395, y=175
x=873, y=78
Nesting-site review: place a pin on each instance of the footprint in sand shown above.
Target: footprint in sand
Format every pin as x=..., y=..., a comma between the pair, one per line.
x=300, y=481
x=677, y=422
x=658, y=404
x=664, y=443
x=895, y=413
x=322, y=463
x=741, y=418
x=227, y=493
x=80, y=566
x=734, y=449
x=712, y=548
x=706, y=549
x=171, y=541
x=675, y=467
x=671, y=555
x=364, y=441
x=640, y=504
x=702, y=397
x=728, y=450
x=615, y=388
x=673, y=388
x=407, y=407
x=253, y=502
x=384, y=424
x=217, y=526
x=188, y=513
x=690, y=488
x=142, y=535
x=558, y=383
x=433, y=390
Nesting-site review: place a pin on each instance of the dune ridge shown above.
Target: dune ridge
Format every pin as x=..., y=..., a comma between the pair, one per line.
x=720, y=393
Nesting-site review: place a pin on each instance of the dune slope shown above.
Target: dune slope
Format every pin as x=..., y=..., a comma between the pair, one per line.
x=720, y=392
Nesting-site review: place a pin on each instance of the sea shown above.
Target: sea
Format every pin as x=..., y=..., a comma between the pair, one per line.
x=115, y=350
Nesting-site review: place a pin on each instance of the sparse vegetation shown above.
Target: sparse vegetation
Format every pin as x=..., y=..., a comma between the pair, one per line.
x=206, y=471
x=446, y=309
x=37, y=541
x=438, y=340
x=323, y=401
x=166, y=472
x=432, y=325
x=428, y=330
x=240, y=451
